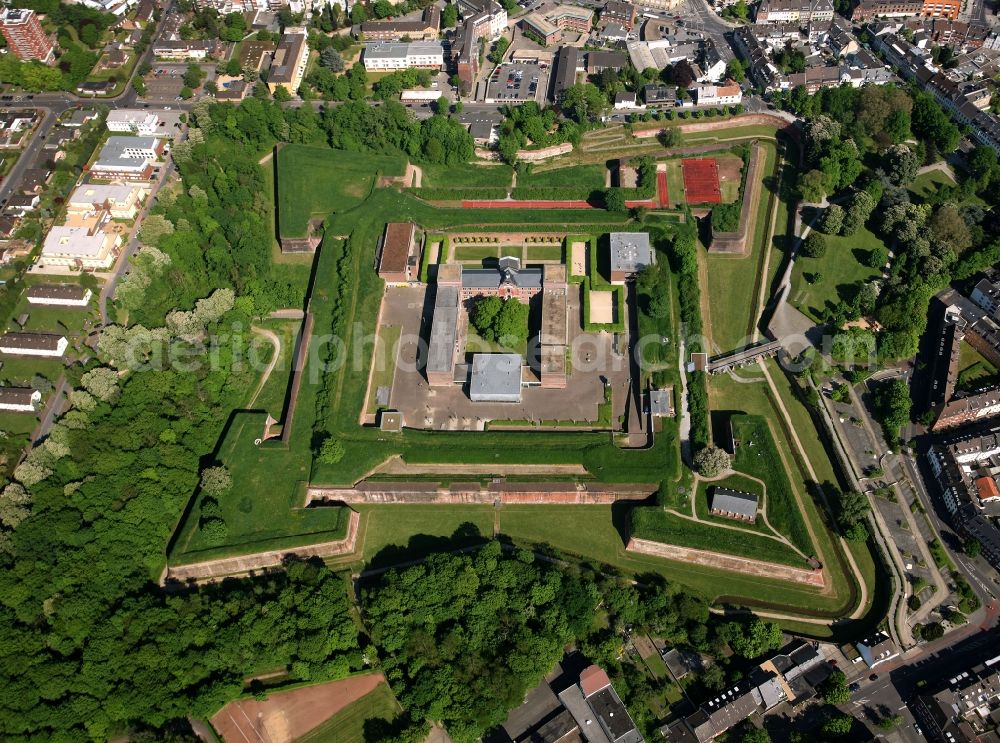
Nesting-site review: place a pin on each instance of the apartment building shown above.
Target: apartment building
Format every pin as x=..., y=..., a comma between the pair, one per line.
x=129, y=158
x=288, y=66
x=25, y=36
x=793, y=11
x=550, y=23
x=426, y=29
x=120, y=201
x=79, y=247
x=133, y=121
x=403, y=56
x=727, y=94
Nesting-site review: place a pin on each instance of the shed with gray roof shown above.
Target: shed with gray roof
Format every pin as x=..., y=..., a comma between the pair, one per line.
x=630, y=253
x=496, y=377
x=733, y=504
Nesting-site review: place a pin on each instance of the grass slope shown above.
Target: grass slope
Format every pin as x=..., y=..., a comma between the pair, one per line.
x=348, y=725
x=315, y=181
x=842, y=271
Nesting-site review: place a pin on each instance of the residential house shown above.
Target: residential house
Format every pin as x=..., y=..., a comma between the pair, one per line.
x=20, y=399
x=33, y=344
x=23, y=204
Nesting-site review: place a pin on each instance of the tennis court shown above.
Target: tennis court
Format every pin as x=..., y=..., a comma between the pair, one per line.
x=701, y=180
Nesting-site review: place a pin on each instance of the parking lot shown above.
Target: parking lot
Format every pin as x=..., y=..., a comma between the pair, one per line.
x=517, y=83
x=164, y=82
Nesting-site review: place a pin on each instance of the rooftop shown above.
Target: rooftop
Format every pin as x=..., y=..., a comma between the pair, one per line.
x=395, y=50
x=630, y=252
x=496, y=377
x=734, y=501
x=32, y=341
x=73, y=292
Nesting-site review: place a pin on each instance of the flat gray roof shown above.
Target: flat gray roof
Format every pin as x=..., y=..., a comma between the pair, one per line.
x=734, y=501
x=444, y=330
x=496, y=377
x=394, y=50
x=630, y=251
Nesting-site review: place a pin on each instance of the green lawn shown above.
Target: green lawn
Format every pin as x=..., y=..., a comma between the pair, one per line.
x=472, y=176
x=574, y=176
x=544, y=253
x=757, y=455
x=675, y=181
x=316, y=181
x=974, y=370
x=842, y=273
x=734, y=281
x=397, y=533
x=734, y=482
x=273, y=393
x=348, y=725
x=385, y=362
x=927, y=183
x=475, y=252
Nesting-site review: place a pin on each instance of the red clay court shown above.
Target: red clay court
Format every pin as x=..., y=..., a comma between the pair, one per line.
x=661, y=182
x=701, y=181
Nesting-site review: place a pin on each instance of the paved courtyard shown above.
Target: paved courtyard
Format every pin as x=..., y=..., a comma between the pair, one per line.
x=449, y=408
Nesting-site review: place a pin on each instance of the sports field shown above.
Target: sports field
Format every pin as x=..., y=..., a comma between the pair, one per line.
x=701, y=180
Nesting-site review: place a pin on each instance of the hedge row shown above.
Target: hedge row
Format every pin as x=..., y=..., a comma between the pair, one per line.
x=458, y=194
x=684, y=261
x=559, y=193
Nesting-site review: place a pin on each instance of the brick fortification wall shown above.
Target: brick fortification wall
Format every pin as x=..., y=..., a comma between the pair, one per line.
x=737, y=242
x=722, y=561
x=226, y=566
x=472, y=493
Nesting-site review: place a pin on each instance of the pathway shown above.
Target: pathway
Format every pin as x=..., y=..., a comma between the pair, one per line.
x=276, y=342
x=862, y=606
x=941, y=165
x=776, y=535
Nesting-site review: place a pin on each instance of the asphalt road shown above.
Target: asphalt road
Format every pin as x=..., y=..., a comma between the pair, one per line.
x=29, y=154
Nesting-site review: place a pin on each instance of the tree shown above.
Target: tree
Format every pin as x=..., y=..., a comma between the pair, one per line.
x=814, y=246
x=102, y=383
x=584, y=103
x=670, y=136
x=442, y=105
x=812, y=186
x=614, y=200
x=713, y=677
x=892, y=406
x=216, y=480
x=890, y=721
x=484, y=313
x=358, y=14
x=711, y=461
x=754, y=639
x=449, y=15
x=735, y=69
x=500, y=47
x=193, y=76
x=833, y=219
x=756, y=735
x=186, y=93
x=331, y=451
x=281, y=94
x=860, y=208
x=877, y=257
x=835, y=690
x=838, y=726
x=901, y=164
x=948, y=228
x=972, y=547
x=932, y=631
x=330, y=59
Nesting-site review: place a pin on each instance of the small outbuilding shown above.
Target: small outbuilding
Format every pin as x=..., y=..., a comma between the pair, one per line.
x=733, y=504
x=496, y=377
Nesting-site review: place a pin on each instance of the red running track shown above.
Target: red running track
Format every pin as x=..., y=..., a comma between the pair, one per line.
x=661, y=181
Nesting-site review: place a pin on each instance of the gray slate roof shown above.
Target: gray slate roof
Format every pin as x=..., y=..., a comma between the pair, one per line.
x=491, y=278
x=734, y=501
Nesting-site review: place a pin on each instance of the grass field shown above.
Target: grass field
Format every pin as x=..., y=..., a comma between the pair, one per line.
x=927, y=183
x=734, y=482
x=543, y=253
x=574, y=176
x=272, y=394
x=675, y=182
x=385, y=366
x=733, y=281
x=974, y=370
x=842, y=273
x=348, y=725
x=472, y=176
x=315, y=181
x=475, y=252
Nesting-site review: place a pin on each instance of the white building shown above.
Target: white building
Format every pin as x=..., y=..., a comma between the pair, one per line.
x=19, y=399
x=404, y=55
x=133, y=121
x=121, y=201
x=60, y=295
x=33, y=344
x=77, y=247
x=728, y=94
